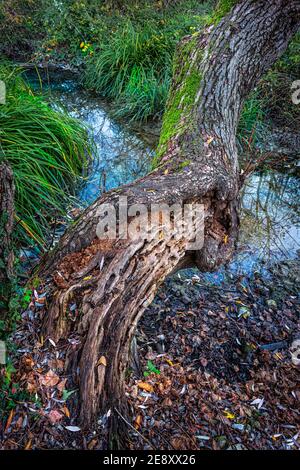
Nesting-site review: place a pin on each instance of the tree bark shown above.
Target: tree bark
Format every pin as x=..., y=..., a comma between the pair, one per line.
x=7, y=191
x=113, y=281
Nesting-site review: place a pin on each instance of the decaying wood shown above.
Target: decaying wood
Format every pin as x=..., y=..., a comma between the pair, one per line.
x=7, y=191
x=112, y=282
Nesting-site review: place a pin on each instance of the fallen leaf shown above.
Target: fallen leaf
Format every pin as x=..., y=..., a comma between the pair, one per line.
x=11, y=414
x=170, y=362
x=92, y=444
x=62, y=385
x=145, y=386
x=73, y=428
x=66, y=411
x=102, y=361
x=229, y=415
x=138, y=421
x=50, y=379
x=55, y=416
x=28, y=445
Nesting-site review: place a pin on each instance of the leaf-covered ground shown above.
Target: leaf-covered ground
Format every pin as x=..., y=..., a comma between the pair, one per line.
x=227, y=379
x=216, y=371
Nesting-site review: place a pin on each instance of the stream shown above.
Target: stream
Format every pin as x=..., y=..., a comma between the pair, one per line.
x=270, y=214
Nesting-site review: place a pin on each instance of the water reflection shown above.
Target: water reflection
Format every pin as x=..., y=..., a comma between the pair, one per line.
x=270, y=219
x=120, y=156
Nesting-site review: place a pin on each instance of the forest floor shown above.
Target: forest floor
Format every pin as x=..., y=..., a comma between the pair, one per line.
x=216, y=371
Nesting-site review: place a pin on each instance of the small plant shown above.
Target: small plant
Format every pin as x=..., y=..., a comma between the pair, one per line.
x=10, y=391
x=151, y=369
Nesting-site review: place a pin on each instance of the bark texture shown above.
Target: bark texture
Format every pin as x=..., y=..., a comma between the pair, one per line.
x=7, y=191
x=112, y=282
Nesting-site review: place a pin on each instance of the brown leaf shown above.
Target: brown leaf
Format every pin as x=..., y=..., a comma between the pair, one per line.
x=56, y=364
x=49, y=380
x=31, y=387
x=11, y=415
x=167, y=402
x=28, y=445
x=62, y=385
x=138, y=421
x=55, y=416
x=92, y=444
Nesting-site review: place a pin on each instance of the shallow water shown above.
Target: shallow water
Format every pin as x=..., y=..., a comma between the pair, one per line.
x=270, y=215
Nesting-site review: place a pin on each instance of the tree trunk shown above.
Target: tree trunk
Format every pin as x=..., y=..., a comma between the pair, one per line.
x=113, y=281
x=6, y=227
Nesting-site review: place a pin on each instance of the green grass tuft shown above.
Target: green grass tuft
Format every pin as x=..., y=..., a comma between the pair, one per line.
x=47, y=151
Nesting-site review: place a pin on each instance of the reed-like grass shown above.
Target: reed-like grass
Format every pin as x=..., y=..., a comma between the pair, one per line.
x=134, y=69
x=131, y=58
x=47, y=150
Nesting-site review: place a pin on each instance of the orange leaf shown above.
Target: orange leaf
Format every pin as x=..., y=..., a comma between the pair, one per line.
x=145, y=386
x=28, y=445
x=138, y=421
x=66, y=411
x=11, y=414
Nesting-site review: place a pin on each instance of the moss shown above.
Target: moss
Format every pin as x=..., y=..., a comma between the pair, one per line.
x=183, y=165
x=186, y=83
x=222, y=9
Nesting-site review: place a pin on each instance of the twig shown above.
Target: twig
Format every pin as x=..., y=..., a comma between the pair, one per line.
x=185, y=432
x=133, y=428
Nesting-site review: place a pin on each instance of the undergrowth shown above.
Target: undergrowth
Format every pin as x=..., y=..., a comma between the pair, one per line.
x=47, y=150
x=125, y=52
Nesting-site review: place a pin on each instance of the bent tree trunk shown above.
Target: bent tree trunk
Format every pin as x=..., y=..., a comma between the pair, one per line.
x=113, y=281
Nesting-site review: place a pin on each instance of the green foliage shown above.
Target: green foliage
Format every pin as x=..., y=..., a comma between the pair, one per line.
x=20, y=26
x=275, y=88
x=151, y=369
x=133, y=68
x=10, y=392
x=127, y=50
x=252, y=117
x=47, y=150
x=222, y=9
x=271, y=100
